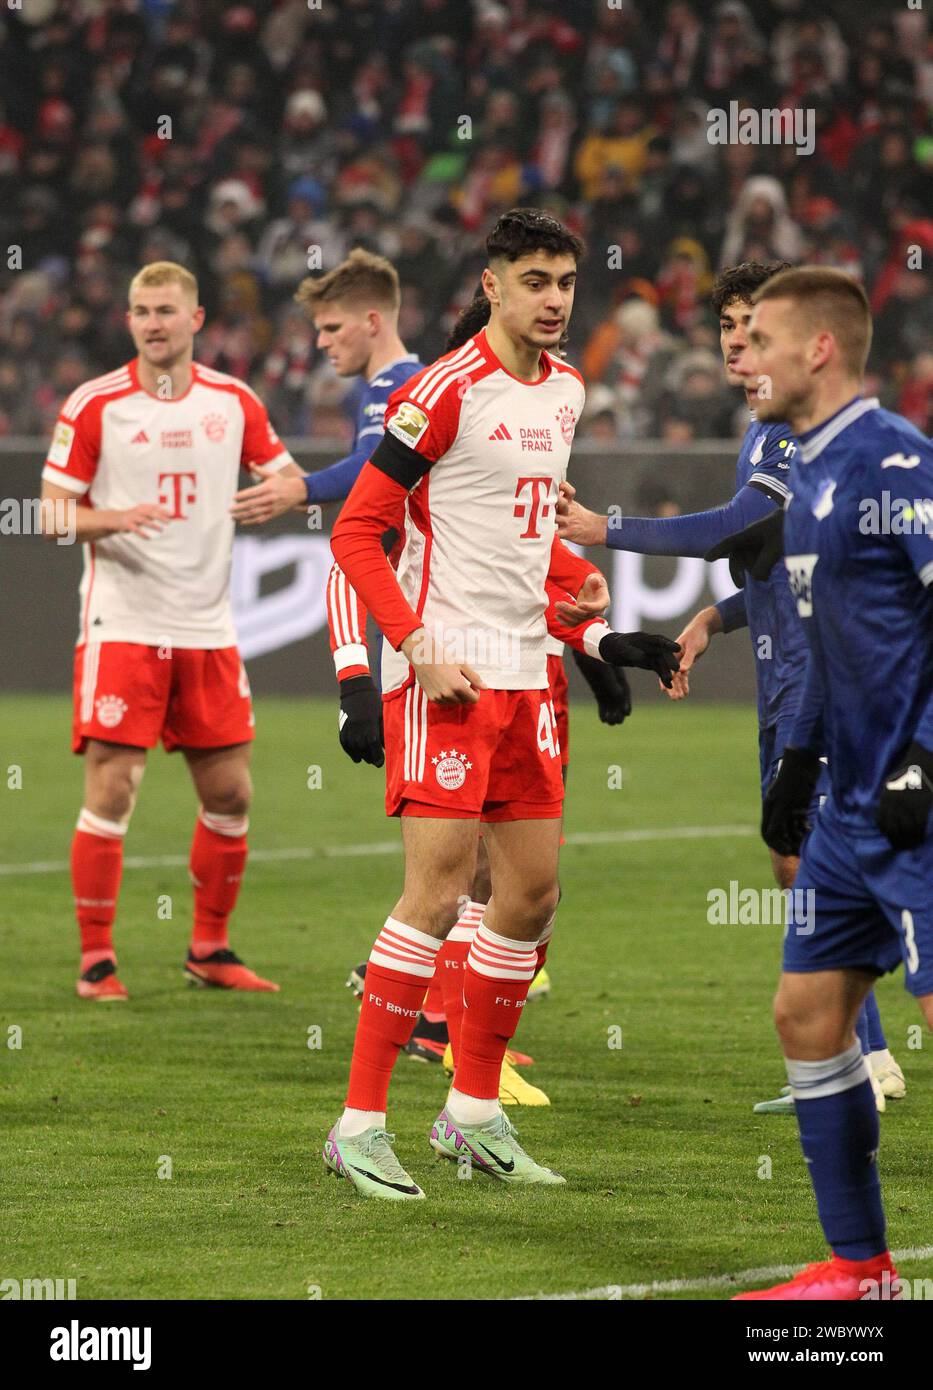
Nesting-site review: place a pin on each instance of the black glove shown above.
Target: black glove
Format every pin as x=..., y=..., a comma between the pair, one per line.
x=361, y=720
x=784, y=815
x=608, y=684
x=756, y=549
x=645, y=650
x=906, y=799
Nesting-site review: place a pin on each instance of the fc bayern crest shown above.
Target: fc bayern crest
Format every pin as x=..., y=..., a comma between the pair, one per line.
x=567, y=420
x=110, y=710
x=215, y=427
x=451, y=769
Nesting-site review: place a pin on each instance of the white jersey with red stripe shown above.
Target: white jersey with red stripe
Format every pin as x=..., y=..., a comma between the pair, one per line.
x=116, y=445
x=480, y=523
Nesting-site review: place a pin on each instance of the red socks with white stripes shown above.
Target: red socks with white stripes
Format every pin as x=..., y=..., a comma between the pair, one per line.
x=544, y=941
x=451, y=967
x=96, y=869
x=401, y=965
x=484, y=979
x=495, y=987
x=218, y=858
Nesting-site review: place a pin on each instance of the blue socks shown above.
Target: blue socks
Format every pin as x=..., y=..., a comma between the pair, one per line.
x=877, y=1042
x=862, y=1029
x=839, y=1133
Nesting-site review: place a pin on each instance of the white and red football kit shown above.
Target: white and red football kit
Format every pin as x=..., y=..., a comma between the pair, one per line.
x=468, y=472
x=559, y=688
x=156, y=651
x=346, y=619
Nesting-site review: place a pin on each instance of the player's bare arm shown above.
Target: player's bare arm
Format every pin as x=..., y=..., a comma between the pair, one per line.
x=591, y=602
x=444, y=682
x=693, y=642
x=577, y=523
x=85, y=523
x=277, y=491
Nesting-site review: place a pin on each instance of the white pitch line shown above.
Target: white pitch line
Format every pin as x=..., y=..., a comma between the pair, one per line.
x=612, y=1292
x=676, y=832
x=304, y=852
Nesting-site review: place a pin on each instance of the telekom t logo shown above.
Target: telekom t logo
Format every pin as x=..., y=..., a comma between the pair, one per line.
x=535, y=506
x=174, y=494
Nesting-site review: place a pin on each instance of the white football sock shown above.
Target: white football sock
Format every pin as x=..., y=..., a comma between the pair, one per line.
x=354, y=1122
x=469, y=1110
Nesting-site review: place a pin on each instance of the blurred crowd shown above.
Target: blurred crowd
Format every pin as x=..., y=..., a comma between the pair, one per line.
x=253, y=142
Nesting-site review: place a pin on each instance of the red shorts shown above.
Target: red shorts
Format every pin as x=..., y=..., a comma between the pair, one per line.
x=498, y=759
x=557, y=680
x=125, y=692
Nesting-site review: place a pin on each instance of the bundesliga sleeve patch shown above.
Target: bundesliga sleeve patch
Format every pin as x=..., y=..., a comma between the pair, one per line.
x=60, y=449
x=408, y=424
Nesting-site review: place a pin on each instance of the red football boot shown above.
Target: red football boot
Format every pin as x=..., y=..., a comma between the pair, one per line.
x=518, y=1059
x=836, y=1281
x=100, y=982
x=223, y=970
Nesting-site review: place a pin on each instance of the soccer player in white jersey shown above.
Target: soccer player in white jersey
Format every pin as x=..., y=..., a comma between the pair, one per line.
x=149, y=456
x=468, y=470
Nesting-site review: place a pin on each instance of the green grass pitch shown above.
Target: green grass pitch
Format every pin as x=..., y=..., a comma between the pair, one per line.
x=662, y=1154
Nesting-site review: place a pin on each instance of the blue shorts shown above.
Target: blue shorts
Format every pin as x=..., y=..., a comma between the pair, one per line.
x=859, y=904
x=771, y=742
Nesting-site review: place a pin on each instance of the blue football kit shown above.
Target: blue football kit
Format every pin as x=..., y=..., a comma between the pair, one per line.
x=333, y=484
x=858, y=541
x=766, y=607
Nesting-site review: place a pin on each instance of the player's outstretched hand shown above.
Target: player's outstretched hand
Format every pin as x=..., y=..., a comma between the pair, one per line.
x=757, y=549
x=444, y=682
x=693, y=642
x=270, y=498
x=785, y=812
x=608, y=684
x=646, y=650
x=907, y=799
x=591, y=602
x=143, y=520
x=575, y=522
x=360, y=724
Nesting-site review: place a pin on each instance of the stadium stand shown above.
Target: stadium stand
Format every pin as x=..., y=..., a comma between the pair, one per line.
x=245, y=139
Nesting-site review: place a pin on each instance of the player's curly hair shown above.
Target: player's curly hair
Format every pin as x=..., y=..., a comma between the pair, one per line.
x=469, y=321
x=742, y=281
x=522, y=230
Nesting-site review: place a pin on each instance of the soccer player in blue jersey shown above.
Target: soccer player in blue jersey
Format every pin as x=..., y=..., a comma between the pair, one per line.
x=355, y=310
x=766, y=606
x=858, y=547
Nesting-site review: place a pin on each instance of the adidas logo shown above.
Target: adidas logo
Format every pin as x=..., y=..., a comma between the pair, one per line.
x=500, y=432
x=141, y=438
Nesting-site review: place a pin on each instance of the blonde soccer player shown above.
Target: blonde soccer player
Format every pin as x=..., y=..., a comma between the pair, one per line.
x=148, y=456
